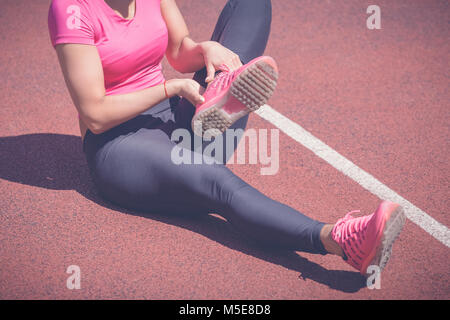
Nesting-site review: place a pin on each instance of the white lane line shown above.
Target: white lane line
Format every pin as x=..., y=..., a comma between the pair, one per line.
x=366, y=180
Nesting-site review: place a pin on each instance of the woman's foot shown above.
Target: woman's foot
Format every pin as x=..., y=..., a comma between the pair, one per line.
x=232, y=95
x=365, y=241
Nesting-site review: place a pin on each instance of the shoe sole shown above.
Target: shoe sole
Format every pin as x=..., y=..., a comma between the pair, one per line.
x=252, y=89
x=391, y=231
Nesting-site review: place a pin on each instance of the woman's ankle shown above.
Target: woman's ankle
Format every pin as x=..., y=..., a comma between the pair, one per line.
x=329, y=244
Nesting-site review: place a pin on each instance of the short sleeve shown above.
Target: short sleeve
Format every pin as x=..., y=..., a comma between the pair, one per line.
x=69, y=21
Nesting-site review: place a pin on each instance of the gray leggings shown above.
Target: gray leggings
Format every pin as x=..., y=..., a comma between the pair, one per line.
x=131, y=163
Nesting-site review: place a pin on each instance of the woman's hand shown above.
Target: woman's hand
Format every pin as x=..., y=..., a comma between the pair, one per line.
x=217, y=57
x=187, y=88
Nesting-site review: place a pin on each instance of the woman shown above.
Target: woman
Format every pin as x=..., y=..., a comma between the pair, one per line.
x=110, y=53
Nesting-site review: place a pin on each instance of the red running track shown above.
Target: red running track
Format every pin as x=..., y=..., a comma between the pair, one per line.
x=378, y=97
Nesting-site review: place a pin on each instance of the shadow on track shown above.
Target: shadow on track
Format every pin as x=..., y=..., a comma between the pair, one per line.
x=57, y=162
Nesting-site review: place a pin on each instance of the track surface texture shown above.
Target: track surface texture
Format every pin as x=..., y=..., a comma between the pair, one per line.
x=379, y=98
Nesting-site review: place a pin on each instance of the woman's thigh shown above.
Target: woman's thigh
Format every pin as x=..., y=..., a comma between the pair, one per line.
x=142, y=171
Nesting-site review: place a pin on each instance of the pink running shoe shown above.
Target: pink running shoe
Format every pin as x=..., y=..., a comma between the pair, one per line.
x=233, y=95
x=368, y=240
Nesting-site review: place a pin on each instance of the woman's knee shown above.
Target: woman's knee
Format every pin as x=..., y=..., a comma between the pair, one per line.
x=249, y=28
x=258, y=8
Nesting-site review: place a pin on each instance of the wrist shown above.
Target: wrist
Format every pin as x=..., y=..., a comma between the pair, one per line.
x=172, y=87
x=205, y=45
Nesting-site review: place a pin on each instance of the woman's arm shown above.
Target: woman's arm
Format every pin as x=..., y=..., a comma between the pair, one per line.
x=83, y=73
x=186, y=55
x=183, y=54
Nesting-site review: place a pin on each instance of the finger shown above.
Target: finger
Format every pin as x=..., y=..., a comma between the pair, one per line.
x=232, y=65
x=236, y=62
x=210, y=70
x=224, y=67
x=194, y=100
x=197, y=99
x=196, y=96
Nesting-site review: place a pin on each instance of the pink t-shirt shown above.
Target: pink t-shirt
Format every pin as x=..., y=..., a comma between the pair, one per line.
x=130, y=50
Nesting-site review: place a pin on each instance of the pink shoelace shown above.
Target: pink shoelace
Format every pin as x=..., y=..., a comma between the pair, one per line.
x=223, y=79
x=350, y=224
x=350, y=233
